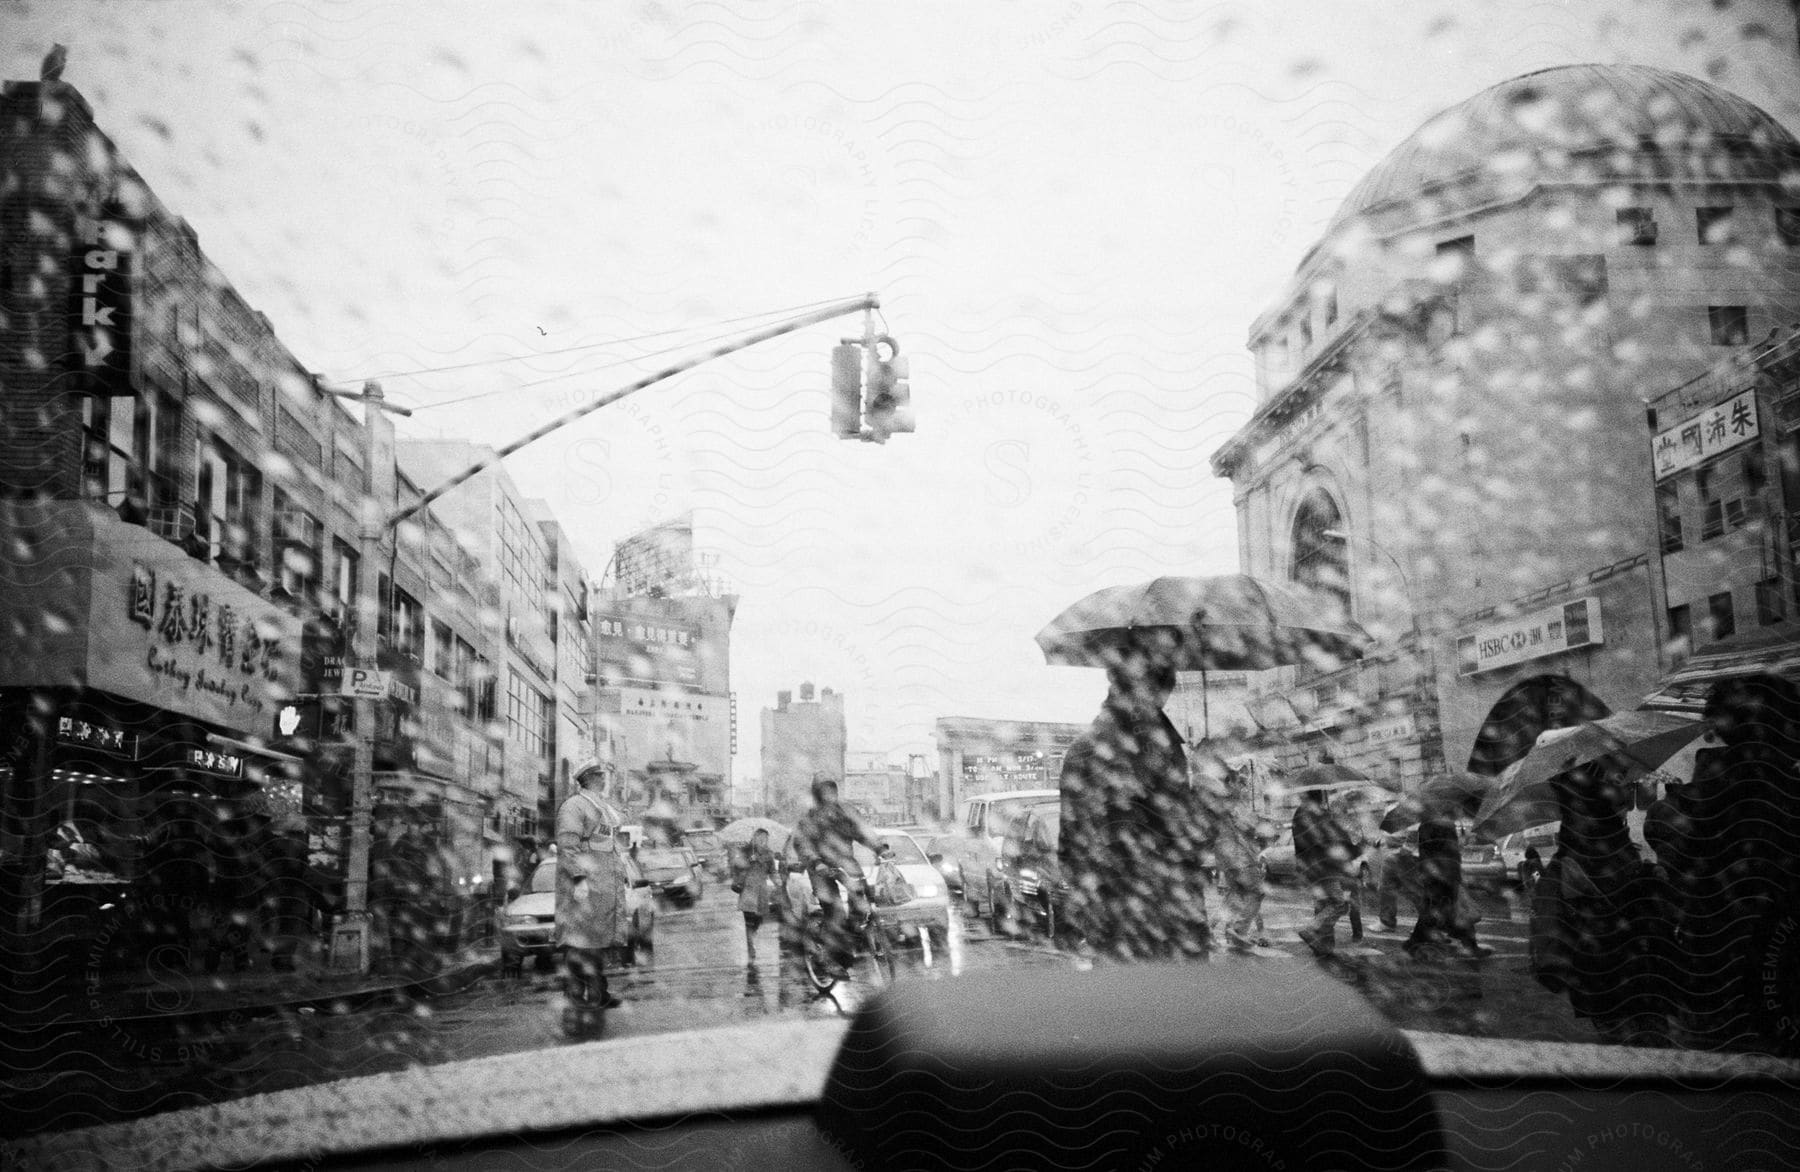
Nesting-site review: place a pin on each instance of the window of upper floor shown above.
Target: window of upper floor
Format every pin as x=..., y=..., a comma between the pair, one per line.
x=1713, y=225
x=1728, y=325
x=1637, y=226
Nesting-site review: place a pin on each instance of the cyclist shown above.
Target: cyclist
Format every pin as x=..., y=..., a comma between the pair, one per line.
x=824, y=842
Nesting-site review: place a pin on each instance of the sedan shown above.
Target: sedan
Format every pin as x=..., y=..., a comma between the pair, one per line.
x=675, y=872
x=710, y=850
x=928, y=911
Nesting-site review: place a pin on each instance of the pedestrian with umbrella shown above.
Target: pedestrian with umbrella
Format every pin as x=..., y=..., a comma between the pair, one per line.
x=1133, y=830
x=1443, y=918
x=1436, y=871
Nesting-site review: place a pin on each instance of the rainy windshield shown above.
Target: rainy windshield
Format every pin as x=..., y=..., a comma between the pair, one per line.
x=449, y=443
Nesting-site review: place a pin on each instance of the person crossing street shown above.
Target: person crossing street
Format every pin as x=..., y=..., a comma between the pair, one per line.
x=1324, y=851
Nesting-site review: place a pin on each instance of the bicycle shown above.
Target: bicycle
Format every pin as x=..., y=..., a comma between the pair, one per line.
x=867, y=935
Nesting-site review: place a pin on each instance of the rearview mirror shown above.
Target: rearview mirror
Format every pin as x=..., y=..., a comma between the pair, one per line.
x=640, y=882
x=935, y=860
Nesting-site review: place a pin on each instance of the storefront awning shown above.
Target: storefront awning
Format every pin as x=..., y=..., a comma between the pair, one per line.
x=1685, y=688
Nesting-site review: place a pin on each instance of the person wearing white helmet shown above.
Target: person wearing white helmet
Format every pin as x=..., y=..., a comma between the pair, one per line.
x=590, y=892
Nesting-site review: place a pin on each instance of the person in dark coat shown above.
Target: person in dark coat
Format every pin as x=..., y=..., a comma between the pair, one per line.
x=1133, y=833
x=1324, y=853
x=1440, y=921
x=1744, y=850
x=1606, y=922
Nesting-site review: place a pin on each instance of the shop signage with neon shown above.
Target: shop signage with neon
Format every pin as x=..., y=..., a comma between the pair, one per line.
x=105, y=738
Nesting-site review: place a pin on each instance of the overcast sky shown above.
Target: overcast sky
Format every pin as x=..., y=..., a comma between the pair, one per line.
x=1072, y=212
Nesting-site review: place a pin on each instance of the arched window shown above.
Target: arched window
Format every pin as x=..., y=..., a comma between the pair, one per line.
x=1321, y=559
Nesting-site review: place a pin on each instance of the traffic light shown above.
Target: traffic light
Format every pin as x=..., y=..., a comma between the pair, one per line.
x=890, y=399
x=846, y=390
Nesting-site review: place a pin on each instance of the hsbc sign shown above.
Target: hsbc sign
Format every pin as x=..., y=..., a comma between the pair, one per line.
x=100, y=303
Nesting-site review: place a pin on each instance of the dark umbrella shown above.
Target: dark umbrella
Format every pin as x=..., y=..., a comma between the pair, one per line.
x=1230, y=622
x=1328, y=775
x=1457, y=794
x=1640, y=740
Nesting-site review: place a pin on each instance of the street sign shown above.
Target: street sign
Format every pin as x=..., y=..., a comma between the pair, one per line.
x=365, y=683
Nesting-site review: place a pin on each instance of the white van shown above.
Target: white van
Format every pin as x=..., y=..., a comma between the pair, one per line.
x=969, y=852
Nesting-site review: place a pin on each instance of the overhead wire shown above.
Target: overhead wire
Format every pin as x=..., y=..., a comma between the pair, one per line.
x=786, y=311
x=585, y=371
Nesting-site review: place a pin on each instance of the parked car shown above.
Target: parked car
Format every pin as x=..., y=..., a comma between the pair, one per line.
x=673, y=869
x=1534, y=844
x=1025, y=884
x=528, y=923
x=1481, y=861
x=970, y=852
x=710, y=849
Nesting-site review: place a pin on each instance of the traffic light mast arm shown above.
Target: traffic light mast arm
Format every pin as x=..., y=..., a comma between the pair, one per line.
x=867, y=303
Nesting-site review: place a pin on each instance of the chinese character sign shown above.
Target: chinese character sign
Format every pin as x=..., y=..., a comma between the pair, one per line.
x=645, y=649
x=184, y=637
x=1719, y=428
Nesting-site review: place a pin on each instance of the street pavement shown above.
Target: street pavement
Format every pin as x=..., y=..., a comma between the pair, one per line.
x=700, y=976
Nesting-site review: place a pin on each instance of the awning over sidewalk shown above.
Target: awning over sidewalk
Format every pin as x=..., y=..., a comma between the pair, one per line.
x=1685, y=688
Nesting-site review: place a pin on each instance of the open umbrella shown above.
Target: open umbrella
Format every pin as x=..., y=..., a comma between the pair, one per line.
x=1229, y=622
x=1524, y=797
x=1328, y=776
x=741, y=830
x=1458, y=794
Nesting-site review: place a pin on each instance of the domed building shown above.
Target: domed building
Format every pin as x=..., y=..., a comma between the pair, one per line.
x=1451, y=433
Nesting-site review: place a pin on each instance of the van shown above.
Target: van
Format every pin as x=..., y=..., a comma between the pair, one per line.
x=965, y=856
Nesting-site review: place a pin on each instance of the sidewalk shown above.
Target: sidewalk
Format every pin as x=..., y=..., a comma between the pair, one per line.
x=175, y=996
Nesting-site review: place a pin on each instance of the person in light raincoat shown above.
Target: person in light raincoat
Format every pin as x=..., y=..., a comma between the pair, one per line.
x=1133, y=832
x=1224, y=793
x=590, y=885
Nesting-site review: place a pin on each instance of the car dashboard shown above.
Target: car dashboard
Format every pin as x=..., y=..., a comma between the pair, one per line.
x=1139, y=1066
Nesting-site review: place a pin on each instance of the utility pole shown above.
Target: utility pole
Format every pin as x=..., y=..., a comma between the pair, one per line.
x=379, y=517
x=363, y=656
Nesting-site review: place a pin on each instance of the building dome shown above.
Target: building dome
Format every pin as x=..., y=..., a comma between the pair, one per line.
x=1574, y=123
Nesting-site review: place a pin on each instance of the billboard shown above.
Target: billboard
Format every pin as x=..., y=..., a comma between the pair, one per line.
x=663, y=641
x=658, y=558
